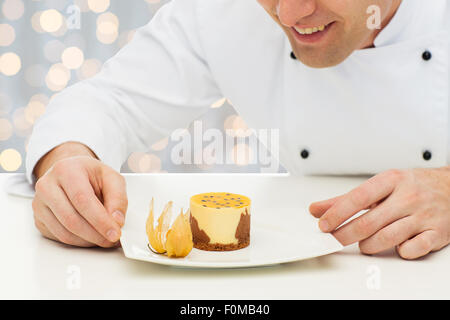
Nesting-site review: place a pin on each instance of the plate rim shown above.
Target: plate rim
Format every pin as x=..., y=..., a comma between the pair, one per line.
x=180, y=262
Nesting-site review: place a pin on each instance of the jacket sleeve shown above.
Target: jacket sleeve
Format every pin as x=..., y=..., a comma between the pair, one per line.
x=157, y=83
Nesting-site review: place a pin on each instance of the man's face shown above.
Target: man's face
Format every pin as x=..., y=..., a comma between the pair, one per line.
x=323, y=33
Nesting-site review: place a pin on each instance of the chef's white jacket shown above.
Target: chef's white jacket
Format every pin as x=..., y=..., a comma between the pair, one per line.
x=382, y=108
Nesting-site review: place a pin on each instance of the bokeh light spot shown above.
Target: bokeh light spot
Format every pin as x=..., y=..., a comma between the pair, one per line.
x=57, y=77
x=34, y=110
x=98, y=5
x=51, y=20
x=7, y=35
x=72, y=57
x=10, y=64
x=10, y=160
x=36, y=22
x=13, y=9
x=107, y=28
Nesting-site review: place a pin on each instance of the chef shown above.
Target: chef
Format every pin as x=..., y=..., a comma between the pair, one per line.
x=348, y=96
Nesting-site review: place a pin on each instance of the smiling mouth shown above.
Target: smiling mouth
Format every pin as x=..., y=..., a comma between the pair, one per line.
x=311, y=35
x=311, y=30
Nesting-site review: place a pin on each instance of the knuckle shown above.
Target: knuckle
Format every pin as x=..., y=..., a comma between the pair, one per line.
x=359, y=197
x=425, y=216
x=120, y=200
x=388, y=238
x=80, y=199
x=60, y=167
x=70, y=221
x=66, y=168
x=41, y=186
x=101, y=224
x=363, y=227
x=64, y=237
x=415, y=195
x=395, y=174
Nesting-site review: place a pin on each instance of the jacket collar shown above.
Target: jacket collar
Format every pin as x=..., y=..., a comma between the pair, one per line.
x=398, y=28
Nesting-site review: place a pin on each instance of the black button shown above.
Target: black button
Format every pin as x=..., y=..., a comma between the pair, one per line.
x=427, y=55
x=427, y=155
x=304, y=153
x=293, y=55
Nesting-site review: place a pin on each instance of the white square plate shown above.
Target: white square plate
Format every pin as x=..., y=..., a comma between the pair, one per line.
x=281, y=228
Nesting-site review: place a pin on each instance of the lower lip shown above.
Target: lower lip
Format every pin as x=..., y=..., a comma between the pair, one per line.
x=313, y=37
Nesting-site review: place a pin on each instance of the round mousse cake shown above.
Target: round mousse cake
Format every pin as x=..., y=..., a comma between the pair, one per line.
x=220, y=221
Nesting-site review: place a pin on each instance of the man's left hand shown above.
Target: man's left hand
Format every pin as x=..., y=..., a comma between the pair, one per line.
x=407, y=209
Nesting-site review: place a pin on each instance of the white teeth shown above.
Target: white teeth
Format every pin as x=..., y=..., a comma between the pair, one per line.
x=310, y=30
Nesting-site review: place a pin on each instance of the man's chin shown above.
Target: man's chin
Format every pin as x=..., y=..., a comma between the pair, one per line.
x=319, y=56
x=318, y=59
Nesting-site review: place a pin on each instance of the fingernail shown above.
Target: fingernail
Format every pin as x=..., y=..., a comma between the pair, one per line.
x=119, y=217
x=323, y=225
x=112, y=235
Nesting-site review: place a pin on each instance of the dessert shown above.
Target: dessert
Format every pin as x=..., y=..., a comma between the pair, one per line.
x=220, y=221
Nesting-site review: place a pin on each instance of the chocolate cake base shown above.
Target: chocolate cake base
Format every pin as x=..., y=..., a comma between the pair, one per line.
x=221, y=247
x=202, y=240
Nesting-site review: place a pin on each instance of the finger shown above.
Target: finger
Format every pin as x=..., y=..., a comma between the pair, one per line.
x=369, y=223
x=43, y=230
x=318, y=208
x=114, y=195
x=360, y=198
x=390, y=236
x=419, y=246
x=82, y=196
x=57, y=201
x=57, y=229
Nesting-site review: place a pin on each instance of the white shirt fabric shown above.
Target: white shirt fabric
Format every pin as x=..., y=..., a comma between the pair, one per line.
x=380, y=109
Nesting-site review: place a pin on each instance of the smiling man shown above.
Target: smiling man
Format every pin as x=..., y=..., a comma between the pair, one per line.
x=347, y=98
x=324, y=33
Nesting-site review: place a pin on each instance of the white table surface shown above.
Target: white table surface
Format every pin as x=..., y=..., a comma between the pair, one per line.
x=34, y=267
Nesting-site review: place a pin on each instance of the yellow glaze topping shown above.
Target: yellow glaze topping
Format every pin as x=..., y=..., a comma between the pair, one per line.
x=219, y=200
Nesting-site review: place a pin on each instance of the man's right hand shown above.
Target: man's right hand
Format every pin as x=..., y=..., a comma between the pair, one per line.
x=79, y=200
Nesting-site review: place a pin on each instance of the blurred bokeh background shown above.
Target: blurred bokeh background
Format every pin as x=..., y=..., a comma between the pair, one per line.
x=47, y=45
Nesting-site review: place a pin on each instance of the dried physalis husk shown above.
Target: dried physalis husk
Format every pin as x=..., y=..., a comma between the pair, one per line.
x=157, y=236
x=179, y=238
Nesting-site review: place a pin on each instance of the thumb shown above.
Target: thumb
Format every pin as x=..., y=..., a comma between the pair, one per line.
x=114, y=194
